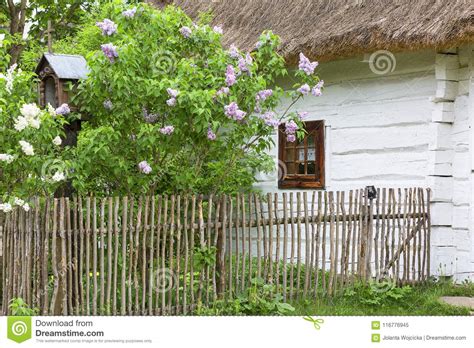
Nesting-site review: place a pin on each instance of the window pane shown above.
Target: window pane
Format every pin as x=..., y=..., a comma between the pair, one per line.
x=311, y=168
x=300, y=168
x=50, y=92
x=310, y=140
x=301, y=155
x=311, y=154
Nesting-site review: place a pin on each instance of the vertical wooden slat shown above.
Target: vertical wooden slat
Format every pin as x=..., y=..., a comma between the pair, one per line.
x=210, y=273
x=270, y=237
x=237, y=243
x=259, y=236
x=244, y=226
x=292, y=247
x=123, y=302
x=308, y=266
x=331, y=243
x=278, y=241
x=250, y=275
x=171, y=250
x=336, y=239
x=82, y=232
x=77, y=275
x=298, y=245
x=178, y=253
x=151, y=257
x=191, y=241
x=94, y=256
x=54, y=258
x=343, y=238
x=323, y=251
x=399, y=227
x=428, y=237
x=285, y=243
x=131, y=250
x=228, y=252
x=317, y=246
x=88, y=252
x=109, y=256
x=116, y=253
x=101, y=244
x=159, y=247
x=144, y=259
x=186, y=254
x=376, y=237
x=68, y=261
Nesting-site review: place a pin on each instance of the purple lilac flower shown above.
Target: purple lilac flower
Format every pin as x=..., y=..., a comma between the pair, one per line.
x=63, y=110
x=304, y=89
x=108, y=105
x=110, y=51
x=307, y=66
x=218, y=29
x=144, y=167
x=173, y=93
x=167, y=130
x=258, y=44
x=171, y=102
x=245, y=62
x=129, y=13
x=232, y=111
x=107, y=26
x=302, y=115
x=186, y=32
x=270, y=120
x=149, y=117
x=263, y=95
x=234, y=52
x=223, y=91
x=316, y=91
x=210, y=134
x=291, y=138
x=291, y=127
x=230, y=78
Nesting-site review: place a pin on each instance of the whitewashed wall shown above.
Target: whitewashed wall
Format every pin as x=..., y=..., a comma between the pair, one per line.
x=408, y=127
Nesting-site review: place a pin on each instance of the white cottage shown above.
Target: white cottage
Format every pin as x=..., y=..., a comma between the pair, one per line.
x=398, y=104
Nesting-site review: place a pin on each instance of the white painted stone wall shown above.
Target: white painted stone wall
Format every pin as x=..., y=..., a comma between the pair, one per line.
x=409, y=127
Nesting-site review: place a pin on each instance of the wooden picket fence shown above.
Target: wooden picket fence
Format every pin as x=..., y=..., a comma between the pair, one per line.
x=164, y=255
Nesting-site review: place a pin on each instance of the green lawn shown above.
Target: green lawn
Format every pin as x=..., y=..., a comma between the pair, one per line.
x=416, y=300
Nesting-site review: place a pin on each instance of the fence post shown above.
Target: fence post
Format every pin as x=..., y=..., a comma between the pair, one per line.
x=363, y=238
x=220, y=252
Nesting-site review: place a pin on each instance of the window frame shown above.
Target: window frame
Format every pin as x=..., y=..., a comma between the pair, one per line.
x=304, y=181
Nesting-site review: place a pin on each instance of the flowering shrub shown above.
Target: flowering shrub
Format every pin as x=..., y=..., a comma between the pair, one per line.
x=30, y=139
x=169, y=108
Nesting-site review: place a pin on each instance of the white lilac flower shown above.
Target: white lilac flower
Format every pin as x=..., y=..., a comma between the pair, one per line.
x=173, y=93
x=20, y=123
x=26, y=207
x=6, y=207
x=5, y=157
x=34, y=123
x=108, y=105
x=30, y=110
x=2, y=37
x=27, y=148
x=51, y=110
x=18, y=201
x=57, y=141
x=171, y=102
x=9, y=78
x=218, y=29
x=58, y=176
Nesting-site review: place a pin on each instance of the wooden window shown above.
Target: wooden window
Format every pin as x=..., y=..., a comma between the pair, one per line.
x=303, y=160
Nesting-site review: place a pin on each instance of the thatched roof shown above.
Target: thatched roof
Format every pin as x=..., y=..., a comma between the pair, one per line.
x=328, y=29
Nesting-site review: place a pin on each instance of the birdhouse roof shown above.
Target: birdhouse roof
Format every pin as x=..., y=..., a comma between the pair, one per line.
x=65, y=66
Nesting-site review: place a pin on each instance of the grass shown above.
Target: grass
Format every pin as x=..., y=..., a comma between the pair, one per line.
x=409, y=301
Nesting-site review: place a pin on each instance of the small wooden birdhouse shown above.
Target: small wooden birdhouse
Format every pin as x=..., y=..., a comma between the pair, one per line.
x=56, y=73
